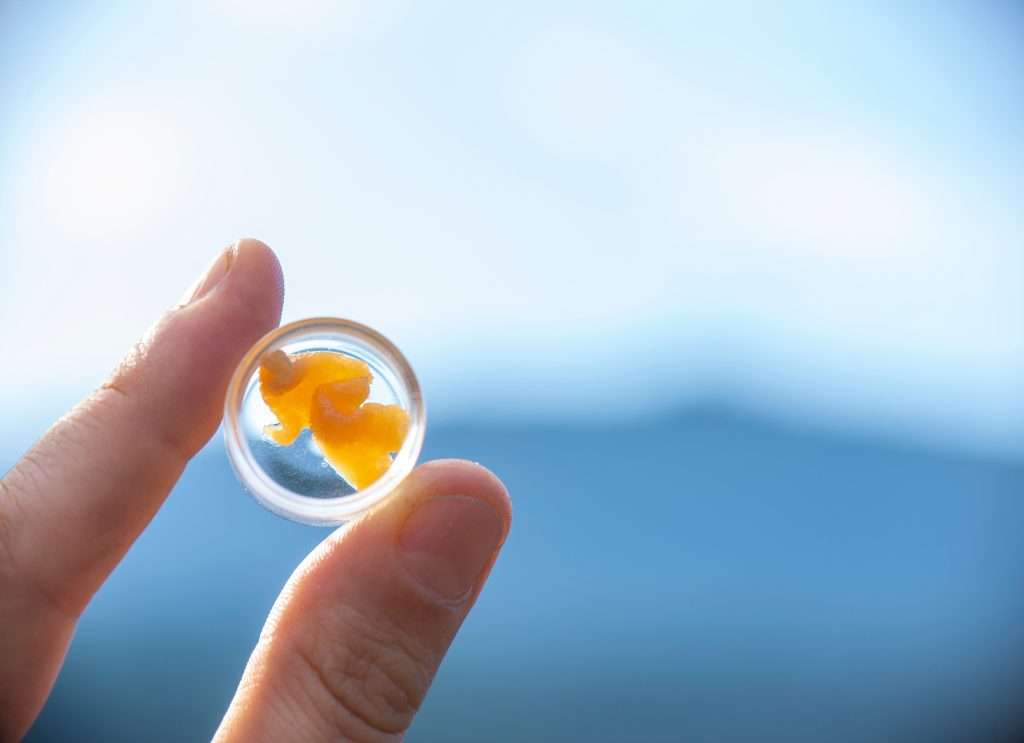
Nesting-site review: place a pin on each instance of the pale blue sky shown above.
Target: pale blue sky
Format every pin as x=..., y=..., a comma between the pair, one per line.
x=557, y=210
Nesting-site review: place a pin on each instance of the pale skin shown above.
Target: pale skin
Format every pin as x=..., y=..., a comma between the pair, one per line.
x=353, y=641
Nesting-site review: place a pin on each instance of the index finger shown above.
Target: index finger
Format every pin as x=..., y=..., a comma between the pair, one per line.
x=78, y=499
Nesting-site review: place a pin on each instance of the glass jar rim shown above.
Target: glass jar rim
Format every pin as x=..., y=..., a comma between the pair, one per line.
x=283, y=501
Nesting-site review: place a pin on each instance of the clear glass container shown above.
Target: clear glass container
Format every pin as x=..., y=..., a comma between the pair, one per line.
x=295, y=481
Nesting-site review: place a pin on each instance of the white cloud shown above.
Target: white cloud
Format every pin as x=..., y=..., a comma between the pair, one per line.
x=110, y=170
x=879, y=259
x=301, y=25
x=583, y=92
x=642, y=216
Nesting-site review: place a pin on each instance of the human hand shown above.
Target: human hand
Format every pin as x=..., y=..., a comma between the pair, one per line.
x=355, y=637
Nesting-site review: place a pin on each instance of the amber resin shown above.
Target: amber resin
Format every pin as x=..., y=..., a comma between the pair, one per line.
x=326, y=392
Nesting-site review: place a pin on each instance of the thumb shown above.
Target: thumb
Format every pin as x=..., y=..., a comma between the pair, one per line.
x=356, y=636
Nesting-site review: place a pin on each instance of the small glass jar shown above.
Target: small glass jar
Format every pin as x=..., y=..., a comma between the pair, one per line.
x=295, y=481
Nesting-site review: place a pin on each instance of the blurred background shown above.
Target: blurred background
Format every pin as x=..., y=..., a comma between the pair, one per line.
x=730, y=294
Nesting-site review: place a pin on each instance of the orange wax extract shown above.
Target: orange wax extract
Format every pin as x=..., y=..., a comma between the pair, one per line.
x=326, y=392
x=323, y=419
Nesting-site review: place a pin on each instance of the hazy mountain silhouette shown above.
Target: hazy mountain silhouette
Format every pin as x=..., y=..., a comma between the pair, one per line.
x=709, y=576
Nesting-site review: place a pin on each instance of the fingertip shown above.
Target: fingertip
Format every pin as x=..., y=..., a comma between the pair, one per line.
x=393, y=587
x=442, y=477
x=257, y=278
x=254, y=251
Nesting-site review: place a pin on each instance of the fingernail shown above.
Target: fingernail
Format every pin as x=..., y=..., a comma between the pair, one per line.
x=447, y=542
x=213, y=276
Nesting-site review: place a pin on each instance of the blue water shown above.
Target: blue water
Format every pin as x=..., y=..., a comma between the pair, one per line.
x=708, y=576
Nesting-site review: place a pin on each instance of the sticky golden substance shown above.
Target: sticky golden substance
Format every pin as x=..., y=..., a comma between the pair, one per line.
x=326, y=392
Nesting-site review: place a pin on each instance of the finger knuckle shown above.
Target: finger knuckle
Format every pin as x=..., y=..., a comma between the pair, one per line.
x=372, y=676
x=7, y=506
x=118, y=397
x=19, y=571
